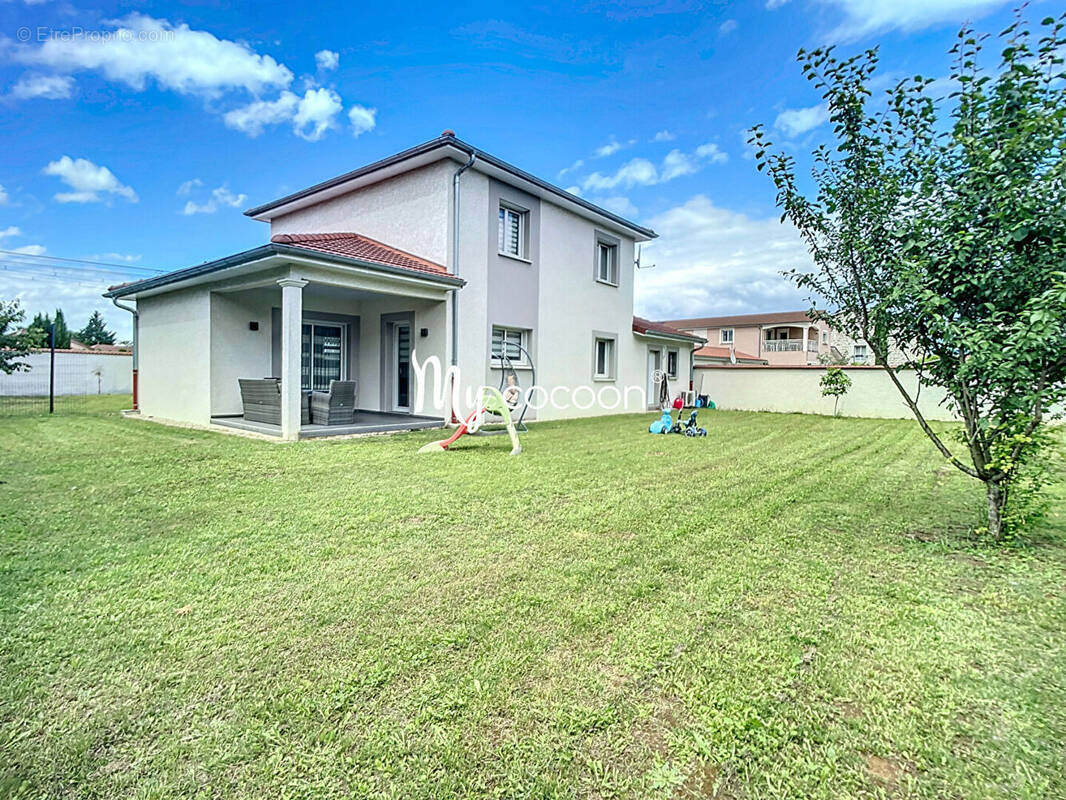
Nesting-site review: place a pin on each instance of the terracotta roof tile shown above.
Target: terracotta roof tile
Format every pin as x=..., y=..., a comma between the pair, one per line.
x=740, y=320
x=353, y=245
x=641, y=325
x=723, y=353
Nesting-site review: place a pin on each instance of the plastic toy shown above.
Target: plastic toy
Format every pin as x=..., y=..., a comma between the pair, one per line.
x=663, y=424
x=691, y=428
x=490, y=401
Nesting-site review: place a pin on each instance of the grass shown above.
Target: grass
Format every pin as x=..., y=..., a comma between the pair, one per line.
x=791, y=607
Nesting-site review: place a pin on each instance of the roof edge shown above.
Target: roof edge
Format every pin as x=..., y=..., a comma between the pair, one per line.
x=263, y=251
x=459, y=144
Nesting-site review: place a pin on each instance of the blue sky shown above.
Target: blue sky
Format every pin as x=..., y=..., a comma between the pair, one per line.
x=137, y=139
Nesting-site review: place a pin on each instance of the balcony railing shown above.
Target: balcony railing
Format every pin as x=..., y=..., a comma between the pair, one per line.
x=788, y=346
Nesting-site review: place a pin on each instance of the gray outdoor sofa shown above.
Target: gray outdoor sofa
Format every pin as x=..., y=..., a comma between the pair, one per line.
x=335, y=407
x=262, y=401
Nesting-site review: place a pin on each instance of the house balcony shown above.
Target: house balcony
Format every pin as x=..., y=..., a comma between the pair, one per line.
x=789, y=346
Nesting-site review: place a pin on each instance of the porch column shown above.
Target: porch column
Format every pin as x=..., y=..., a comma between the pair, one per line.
x=292, y=309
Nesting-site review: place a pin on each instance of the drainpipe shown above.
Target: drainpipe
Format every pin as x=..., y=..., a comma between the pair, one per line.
x=136, y=350
x=455, y=261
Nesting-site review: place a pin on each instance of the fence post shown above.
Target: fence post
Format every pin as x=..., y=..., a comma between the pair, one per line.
x=52, y=368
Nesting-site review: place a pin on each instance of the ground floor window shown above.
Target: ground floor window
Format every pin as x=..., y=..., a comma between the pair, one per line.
x=603, y=360
x=321, y=355
x=671, y=363
x=510, y=342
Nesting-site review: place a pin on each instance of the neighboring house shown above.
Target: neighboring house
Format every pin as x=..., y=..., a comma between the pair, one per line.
x=784, y=338
x=439, y=251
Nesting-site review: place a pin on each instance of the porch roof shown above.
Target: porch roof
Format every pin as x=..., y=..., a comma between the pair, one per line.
x=339, y=249
x=645, y=327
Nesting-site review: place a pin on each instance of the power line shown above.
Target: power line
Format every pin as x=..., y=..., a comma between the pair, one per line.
x=42, y=257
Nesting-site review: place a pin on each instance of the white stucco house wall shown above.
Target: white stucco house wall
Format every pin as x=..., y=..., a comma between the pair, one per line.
x=441, y=252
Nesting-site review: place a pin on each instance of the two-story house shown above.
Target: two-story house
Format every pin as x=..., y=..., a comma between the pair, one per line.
x=441, y=255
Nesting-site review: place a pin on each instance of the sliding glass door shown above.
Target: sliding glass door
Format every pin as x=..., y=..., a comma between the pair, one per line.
x=321, y=356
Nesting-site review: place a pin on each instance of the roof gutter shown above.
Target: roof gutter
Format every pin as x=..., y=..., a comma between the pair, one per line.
x=456, y=183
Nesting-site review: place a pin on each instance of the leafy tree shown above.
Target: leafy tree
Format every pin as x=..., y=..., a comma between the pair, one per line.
x=42, y=324
x=62, y=332
x=835, y=383
x=940, y=223
x=95, y=331
x=14, y=344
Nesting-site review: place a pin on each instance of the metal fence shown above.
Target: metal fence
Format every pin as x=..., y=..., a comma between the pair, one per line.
x=65, y=382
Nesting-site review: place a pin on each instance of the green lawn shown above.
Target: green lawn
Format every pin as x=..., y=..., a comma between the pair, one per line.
x=791, y=607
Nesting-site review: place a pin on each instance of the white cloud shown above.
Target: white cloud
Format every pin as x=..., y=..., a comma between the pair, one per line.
x=189, y=185
x=608, y=149
x=311, y=115
x=220, y=197
x=575, y=166
x=315, y=113
x=48, y=87
x=327, y=59
x=9, y=232
x=727, y=27
x=712, y=153
x=619, y=205
x=641, y=172
x=363, y=119
x=772, y=4
x=663, y=136
x=252, y=118
x=574, y=190
x=711, y=260
x=31, y=250
x=87, y=180
x=636, y=172
x=176, y=57
x=4, y=196
x=797, y=121
x=677, y=164
x=863, y=17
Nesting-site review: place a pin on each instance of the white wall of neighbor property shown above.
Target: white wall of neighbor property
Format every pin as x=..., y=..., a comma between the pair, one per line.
x=798, y=390
x=409, y=211
x=174, y=335
x=77, y=373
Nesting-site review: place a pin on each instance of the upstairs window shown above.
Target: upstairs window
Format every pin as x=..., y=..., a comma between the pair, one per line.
x=858, y=352
x=512, y=232
x=607, y=263
x=725, y=336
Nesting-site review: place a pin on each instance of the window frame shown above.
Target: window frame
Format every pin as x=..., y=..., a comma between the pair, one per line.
x=721, y=336
x=613, y=245
x=856, y=356
x=610, y=355
x=675, y=354
x=523, y=342
x=522, y=214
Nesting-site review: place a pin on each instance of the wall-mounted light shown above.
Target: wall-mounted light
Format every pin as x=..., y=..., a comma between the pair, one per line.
x=253, y=325
x=424, y=332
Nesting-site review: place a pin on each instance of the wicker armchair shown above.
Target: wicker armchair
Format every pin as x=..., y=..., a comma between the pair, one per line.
x=262, y=401
x=335, y=407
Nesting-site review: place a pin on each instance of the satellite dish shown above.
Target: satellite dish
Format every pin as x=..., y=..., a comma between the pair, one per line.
x=732, y=355
x=637, y=262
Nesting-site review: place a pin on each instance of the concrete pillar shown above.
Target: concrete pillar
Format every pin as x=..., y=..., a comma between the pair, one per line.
x=292, y=311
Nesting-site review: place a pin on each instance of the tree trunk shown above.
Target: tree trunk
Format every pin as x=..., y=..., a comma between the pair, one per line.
x=996, y=499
